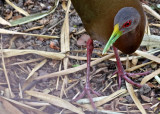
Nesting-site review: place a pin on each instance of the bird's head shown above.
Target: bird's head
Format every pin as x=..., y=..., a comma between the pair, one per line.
x=125, y=21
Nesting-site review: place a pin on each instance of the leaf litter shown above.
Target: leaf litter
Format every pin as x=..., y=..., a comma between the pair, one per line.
x=48, y=79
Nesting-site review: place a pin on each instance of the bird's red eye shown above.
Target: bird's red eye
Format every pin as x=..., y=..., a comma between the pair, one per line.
x=127, y=24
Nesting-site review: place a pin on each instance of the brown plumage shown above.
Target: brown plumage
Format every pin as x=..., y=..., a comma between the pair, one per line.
x=123, y=20
x=98, y=18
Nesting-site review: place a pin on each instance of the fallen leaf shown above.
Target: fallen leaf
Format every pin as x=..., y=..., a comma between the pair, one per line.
x=38, y=66
x=17, y=17
x=135, y=99
x=4, y=22
x=11, y=108
x=134, y=61
x=9, y=15
x=64, y=5
x=17, y=8
x=145, y=98
x=150, y=76
x=83, y=40
x=55, y=101
x=53, y=45
x=28, y=2
x=16, y=52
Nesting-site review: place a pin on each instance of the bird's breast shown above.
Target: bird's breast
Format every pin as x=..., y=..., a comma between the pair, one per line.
x=98, y=17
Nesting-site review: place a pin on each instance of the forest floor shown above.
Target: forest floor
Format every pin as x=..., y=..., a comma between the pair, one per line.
x=25, y=58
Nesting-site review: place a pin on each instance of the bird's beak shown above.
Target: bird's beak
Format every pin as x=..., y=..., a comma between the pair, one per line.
x=115, y=35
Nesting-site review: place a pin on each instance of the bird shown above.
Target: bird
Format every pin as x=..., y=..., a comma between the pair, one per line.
x=120, y=23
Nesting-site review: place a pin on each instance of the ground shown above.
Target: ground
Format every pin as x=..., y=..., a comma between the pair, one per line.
x=19, y=67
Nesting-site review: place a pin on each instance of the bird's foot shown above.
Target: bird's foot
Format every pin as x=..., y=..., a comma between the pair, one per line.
x=87, y=91
x=126, y=76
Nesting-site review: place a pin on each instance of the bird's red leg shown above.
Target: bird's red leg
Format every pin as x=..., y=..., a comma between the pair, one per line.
x=122, y=74
x=87, y=89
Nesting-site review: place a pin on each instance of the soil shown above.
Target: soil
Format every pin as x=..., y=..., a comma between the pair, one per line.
x=102, y=71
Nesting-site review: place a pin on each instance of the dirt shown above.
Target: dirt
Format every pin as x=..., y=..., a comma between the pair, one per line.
x=18, y=73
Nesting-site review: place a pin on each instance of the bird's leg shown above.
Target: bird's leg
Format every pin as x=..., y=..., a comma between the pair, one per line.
x=122, y=74
x=87, y=89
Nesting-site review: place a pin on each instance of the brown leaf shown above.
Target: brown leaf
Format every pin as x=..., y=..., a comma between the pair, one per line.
x=40, y=38
x=154, y=65
x=11, y=108
x=151, y=85
x=28, y=2
x=55, y=101
x=17, y=17
x=134, y=61
x=64, y=5
x=9, y=15
x=147, y=106
x=53, y=45
x=107, y=107
x=135, y=99
x=145, y=98
x=83, y=40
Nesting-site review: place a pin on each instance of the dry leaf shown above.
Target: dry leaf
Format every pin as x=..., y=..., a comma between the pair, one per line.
x=138, y=66
x=150, y=76
x=17, y=8
x=83, y=40
x=53, y=45
x=156, y=25
x=2, y=109
x=16, y=17
x=4, y=31
x=28, y=2
x=151, y=11
x=145, y=98
x=64, y=5
x=148, y=56
x=15, y=52
x=134, y=61
x=23, y=106
x=34, y=28
x=154, y=65
x=55, y=101
x=65, y=45
x=11, y=108
x=106, y=99
x=75, y=69
x=9, y=15
x=4, y=22
x=38, y=66
x=135, y=99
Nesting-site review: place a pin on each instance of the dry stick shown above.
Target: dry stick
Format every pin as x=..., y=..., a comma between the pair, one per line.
x=57, y=84
x=150, y=76
x=5, y=71
x=65, y=46
x=73, y=70
x=132, y=94
x=148, y=56
x=79, y=58
x=138, y=66
x=151, y=11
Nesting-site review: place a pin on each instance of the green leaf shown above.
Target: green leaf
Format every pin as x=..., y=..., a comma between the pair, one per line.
x=34, y=17
x=76, y=65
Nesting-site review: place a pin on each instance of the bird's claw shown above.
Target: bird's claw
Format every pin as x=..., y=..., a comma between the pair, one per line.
x=87, y=91
x=126, y=76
